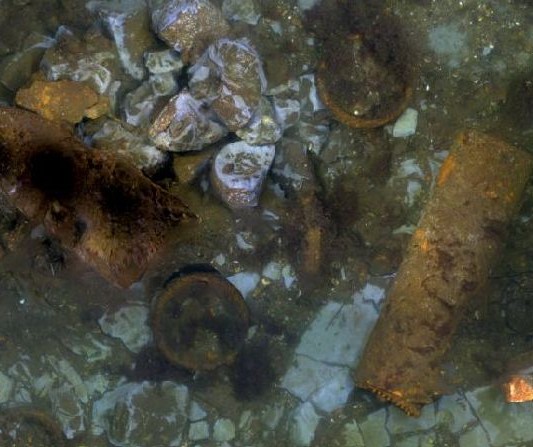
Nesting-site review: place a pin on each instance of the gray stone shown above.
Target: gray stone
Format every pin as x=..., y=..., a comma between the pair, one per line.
x=475, y=437
x=188, y=25
x=338, y=333
x=351, y=434
x=143, y=414
x=196, y=412
x=245, y=282
x=263, y=128
x=230, y=78
x=454, y=412
x=6, y=387
x=199, y=431
x=246, y=11
x=272, y=414
x=129, y=25
x=93, y=59
x=398, y=422
x=504, y=423
x=92, y=347
x=449, y=41
x=185, y=125
x=165, y=61
x=373, y=429
x=405, y=125
x=16, y=69
x=114, y=136
x=129, y=324
x=302, y=425
x=326, y=386
x=68, y=410
x=223, y=430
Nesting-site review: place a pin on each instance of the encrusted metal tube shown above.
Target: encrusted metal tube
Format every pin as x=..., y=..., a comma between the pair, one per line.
x=95, y=202
x=449, y=258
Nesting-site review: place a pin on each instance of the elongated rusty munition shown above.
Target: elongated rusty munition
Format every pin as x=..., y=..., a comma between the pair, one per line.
x=459, y=236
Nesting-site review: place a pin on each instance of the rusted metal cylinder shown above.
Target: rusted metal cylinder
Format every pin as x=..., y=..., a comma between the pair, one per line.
x=449, y=258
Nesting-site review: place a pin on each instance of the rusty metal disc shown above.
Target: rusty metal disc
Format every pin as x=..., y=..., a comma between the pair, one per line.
x=200, y=321
x=29, y=427
x=360, y=87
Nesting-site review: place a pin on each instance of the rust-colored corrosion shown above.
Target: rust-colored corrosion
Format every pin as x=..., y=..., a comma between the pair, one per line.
x=200, y=321
x=63, y=100
x=457, y=242
x=96, y=203
x=518, y=388
x=361, y=90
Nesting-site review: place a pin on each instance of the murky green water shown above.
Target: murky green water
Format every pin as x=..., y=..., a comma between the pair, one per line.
x=313, y=259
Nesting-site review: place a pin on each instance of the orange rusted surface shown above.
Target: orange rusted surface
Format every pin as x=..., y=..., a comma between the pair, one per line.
x=64, y=100
x=446, y=169
x=518, y=388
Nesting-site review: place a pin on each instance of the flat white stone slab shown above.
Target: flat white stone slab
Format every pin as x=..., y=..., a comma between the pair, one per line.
x=405, y=125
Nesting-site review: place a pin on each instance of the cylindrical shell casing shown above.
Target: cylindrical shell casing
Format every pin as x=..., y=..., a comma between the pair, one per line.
x=449, y=258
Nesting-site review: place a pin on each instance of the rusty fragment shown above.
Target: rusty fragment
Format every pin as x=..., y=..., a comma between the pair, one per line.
x=65, y=100
x=518, y=388
x=517, y=383
x=448, y=261
x=95, y=202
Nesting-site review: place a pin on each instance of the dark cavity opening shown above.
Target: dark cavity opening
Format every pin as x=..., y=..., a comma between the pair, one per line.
x=118, y=199
x=53, y=172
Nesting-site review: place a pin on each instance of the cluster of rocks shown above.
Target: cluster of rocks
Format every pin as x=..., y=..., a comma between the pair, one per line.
x=206, y=85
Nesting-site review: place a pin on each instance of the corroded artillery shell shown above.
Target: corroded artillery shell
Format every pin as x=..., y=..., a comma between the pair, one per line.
x=359, y=86
x=457, y=242
x=29, y=427
x=200, y=321
x=238, y=173
x=95, y=202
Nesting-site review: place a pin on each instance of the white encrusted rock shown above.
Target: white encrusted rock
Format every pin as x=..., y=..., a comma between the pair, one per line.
x=264, y=127
x=188, y=26
x=230, y=77
x=238, y=172
x=185, y=125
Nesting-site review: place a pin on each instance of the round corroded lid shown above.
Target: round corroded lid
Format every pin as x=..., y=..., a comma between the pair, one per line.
x=359, y=84
x=200, y=321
